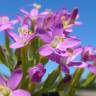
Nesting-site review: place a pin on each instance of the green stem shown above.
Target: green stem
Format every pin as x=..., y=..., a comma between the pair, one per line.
x=74, y=83
x=5, y=59
x=24, y=66
x=89, y=80
x=61, y=93
x=24, y=60
x=7, y=43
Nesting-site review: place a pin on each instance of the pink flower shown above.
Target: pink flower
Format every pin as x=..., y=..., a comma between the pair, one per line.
x=8, y=86
x=5, y=24
x=23, y=39
x=34, y=13
x=36, y=73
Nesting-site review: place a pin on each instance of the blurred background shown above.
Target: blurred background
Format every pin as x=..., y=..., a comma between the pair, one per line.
x=86, y=32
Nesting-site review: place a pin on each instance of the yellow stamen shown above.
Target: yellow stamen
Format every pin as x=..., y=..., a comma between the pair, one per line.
x=5, y=90
x=30, y=32
x=57, y=40
x=61, y=38
x=37, y=6
x=22, y=30
x=65, y=22
x=63, y=18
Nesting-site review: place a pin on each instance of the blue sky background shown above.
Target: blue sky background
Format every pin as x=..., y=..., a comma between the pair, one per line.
x=86, y=33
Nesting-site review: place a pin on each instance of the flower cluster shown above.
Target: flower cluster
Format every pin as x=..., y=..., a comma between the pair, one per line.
x=41, y=37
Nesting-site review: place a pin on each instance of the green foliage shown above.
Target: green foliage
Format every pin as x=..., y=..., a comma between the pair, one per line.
x=5, y=58
x=89, y=80
x=51, y=79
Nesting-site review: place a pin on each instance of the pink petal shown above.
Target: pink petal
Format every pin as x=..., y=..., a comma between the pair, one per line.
x=19, y=18
x=44, y=13
x=88, y=49
x=20, y=92
x=13, y=36
x=2, y=80
x=17, y=45
x=34, y=12
x=92, y=68
x=15, y=79
x=46, y=50
x=5, y=26
x=24, y=11
x=76, y=53
x=1, y=94
x=83, y=65
x=74, y=63
x=46, y=37
x=68, y=30
x=69, y=43
x=14, y=22
x=78, y=23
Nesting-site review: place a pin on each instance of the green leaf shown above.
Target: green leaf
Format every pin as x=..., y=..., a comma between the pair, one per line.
x=63, y=82
x=5, y=58
x=75, y=81
x=24, y=65
x=61, y=93
x=36, y=89
x=43, y=60
x=49, y=82
x=89, y=80
x=25, y=82
x=2, y=56
x=24, y=60
x=7, y=43
x=8, y=49
x=33, y=55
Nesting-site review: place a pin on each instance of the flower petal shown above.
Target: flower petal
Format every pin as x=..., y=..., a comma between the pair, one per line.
x=5, y=26
x=2, y=80
x=20, y=92
x=34, y=12
x=46, y=50
x=64, y=68
x=82, y=65
x=13, y=36
x=68, y=30
x=44, y=13
x=76, y=53
x=74, y=63
x=40, y=66
x=78, y=23
x=15, y=79
x=46, y=37
x=17, y=45
x=88, y=49
x=92, y=68
x=73, y=15
x=36, y=73
x=69, y=43
x=1, y=94
x=24, y=11
x=13, y=22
